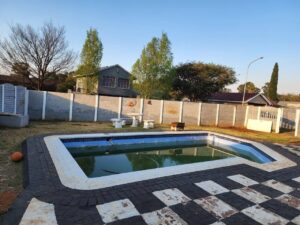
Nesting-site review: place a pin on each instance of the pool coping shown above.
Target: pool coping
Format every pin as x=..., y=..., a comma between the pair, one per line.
x=71, y=175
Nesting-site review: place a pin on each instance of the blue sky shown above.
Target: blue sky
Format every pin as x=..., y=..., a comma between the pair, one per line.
x=228, y=32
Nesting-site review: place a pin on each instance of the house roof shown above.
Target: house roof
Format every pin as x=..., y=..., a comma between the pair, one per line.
x=236, y=97
x=230, y=97
x=102, y=69
x=109, y=67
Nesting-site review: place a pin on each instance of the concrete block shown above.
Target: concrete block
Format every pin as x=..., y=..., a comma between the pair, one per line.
x=10, y=120
x=259, y=125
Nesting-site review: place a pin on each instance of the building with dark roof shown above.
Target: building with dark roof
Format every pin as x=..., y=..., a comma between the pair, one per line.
x=237, y=98
x=111, y=81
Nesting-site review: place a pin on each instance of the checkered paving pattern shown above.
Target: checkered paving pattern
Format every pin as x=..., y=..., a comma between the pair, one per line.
x=237, y=195
x=219, y=205
x=292, y=148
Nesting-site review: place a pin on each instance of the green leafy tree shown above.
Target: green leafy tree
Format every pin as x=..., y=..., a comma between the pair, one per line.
x=272, y=92
x=152, y=70
x=22, y=71
x=250, y=88
x=90, y=60
x=68, y=84
x=198, y=80
x=265, y=88
x=226, y=90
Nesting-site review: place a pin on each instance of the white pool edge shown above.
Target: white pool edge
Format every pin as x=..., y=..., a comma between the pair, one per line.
x=72, y=176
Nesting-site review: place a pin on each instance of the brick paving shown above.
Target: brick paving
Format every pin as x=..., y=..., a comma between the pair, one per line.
x=238, y=194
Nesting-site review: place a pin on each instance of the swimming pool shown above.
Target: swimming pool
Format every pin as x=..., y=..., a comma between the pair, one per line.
x=104, y=156
x=93, y=161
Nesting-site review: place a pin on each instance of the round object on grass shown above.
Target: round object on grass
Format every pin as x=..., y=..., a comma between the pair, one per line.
x=16, y=156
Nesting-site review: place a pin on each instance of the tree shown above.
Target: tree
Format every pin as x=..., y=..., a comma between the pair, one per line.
x=22, y=71
x=68, y=83
x=44, y=50
x=226, y=90
x=152, y=70
x=289, y=97
x=198, y=80
x=250, y=88
x=90, y=60
x=272, y=92
x=265, y=88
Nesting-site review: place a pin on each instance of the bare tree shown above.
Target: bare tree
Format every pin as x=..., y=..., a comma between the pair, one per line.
x=44, y=50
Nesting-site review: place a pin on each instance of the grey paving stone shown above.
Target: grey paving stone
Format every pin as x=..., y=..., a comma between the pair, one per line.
x=240, y=219
x=281, y=209
x=136, y=220
x=235, y=200
x=192, y=213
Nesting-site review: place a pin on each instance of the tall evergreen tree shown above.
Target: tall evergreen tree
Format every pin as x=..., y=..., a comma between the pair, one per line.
x=272, y=90
x=153, y=67
x=90, y=60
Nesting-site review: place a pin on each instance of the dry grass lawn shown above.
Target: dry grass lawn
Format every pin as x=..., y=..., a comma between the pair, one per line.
x=11, y=139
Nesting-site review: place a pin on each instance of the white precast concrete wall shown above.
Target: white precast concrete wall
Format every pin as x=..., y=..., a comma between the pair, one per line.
x=190, y=113
x=108, y=108
x=288, y=119
x=79, y=107
x=171, y=111
x=152, y=110
x=297, y=123
x=130, y=105
x=13, y=99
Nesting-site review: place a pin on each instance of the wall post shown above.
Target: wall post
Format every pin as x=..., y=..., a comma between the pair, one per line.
x=246, y=116
x=199, y=113
x=96, y=108
x=3, y=92
x=297, y=122
x=71, y=107
x=26, y=102
x=234, y=115
x=44, y=105
x=278, y=120
x=161, y=111
x=15, y=102
x=141, y=109
x=217, y=114
x=258, y=112
x=180, y=111
x=120, y=107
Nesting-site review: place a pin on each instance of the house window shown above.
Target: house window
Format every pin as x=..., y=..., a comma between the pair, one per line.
x=109, y=81
x=123, y=83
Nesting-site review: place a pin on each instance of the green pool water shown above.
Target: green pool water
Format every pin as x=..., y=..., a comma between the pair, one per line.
x=104, y=164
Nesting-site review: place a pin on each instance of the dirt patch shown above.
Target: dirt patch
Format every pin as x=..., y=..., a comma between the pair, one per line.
x=6, y=199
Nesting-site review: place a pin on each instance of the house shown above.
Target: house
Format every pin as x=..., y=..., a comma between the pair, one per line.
x=258, y=99
x=111, y=81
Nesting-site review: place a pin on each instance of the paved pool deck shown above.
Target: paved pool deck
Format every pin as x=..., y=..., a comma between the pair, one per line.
x=238, y=194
